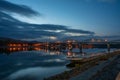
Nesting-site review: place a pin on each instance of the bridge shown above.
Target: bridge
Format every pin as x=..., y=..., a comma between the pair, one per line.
x=60, y=46
x=80, y=45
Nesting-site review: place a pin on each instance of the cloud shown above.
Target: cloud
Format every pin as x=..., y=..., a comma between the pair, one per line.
x=15, y=8
x=13, y=28
x=79, y=31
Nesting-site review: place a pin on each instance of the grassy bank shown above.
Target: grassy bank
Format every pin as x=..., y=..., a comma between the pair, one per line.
x=82, y=65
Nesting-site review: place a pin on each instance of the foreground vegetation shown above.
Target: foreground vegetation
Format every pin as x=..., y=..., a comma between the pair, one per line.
x=82, y=65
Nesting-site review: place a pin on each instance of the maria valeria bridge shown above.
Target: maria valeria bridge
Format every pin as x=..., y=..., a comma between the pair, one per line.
x=58, y=45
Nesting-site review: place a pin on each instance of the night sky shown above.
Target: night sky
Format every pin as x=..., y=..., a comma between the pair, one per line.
x=38, y=19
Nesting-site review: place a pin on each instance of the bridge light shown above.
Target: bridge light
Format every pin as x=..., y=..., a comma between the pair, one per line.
x=106, y=40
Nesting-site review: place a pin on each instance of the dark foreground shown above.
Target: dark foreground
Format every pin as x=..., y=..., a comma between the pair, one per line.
x=107, y=71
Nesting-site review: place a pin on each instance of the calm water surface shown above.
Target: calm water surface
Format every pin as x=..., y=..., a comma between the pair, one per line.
x=35, y=65
x=30, y=65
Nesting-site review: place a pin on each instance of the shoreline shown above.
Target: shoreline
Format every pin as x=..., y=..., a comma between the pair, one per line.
x=82, y=65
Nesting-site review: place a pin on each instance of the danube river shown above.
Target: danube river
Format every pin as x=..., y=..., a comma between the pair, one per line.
x=35, y=65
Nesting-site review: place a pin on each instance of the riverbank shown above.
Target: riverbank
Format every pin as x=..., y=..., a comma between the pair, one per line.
x=109, y=72
x=81, y=66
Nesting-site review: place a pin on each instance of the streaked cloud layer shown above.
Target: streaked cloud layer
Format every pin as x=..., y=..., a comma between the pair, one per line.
x=18, y=9
x=99, y=16
x=13, y=28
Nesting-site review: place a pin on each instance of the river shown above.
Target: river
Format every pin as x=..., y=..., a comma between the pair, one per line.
x=35, y=65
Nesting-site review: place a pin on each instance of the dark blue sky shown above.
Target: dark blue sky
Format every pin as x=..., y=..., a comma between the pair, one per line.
x=99, y=16
x=60, y=19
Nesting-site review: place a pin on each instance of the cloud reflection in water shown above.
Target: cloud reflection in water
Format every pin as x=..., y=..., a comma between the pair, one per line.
x=36, y=73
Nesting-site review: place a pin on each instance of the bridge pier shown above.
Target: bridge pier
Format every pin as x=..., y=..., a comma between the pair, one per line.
x=81, y=48
x=108, y=47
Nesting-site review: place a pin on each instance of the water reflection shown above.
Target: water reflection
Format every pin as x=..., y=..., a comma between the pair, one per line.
x=67, y=52
x=34, y=73
x=35, y=63
x=31, y=65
